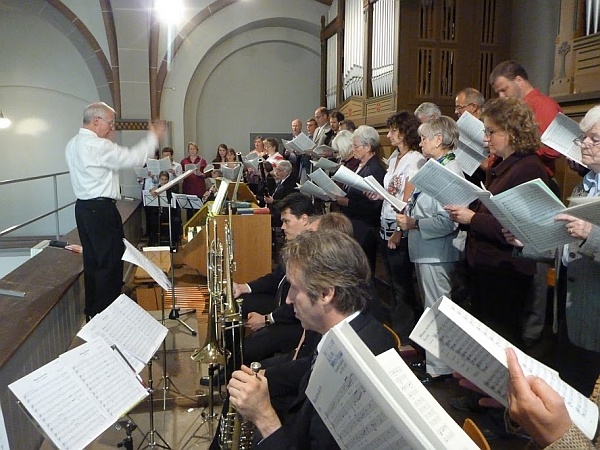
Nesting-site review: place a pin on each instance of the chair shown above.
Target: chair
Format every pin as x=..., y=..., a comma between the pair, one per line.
x=395, y=336
x=475, y=434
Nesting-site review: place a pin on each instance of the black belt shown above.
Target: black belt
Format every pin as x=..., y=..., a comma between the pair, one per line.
x=99, y=199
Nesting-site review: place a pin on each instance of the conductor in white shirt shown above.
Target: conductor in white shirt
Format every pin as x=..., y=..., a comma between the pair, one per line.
x=94, y=162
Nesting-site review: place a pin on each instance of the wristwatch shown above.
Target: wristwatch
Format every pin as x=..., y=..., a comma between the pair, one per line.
x=417, y=224
x=267, y=320
x=398, y=228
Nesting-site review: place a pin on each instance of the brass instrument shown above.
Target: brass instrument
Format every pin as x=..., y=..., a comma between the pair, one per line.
x=225, y=313
x=212, y=353
x=237, y=432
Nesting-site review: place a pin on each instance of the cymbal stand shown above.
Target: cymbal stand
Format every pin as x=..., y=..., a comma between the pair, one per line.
x=152, y=434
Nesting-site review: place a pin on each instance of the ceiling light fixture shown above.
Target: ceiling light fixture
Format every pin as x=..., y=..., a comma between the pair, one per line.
x=4, y=121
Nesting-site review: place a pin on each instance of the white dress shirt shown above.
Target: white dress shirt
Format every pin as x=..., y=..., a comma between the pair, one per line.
x=94, y=163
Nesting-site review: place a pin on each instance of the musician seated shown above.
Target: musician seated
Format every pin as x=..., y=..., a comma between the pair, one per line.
x=263, y=295
x=329, y=284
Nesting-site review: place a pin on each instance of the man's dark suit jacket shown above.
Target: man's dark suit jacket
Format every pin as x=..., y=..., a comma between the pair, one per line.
x=303, y=428
x=286, y=188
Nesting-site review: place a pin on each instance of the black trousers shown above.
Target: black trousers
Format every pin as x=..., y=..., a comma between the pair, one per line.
x=101, y=233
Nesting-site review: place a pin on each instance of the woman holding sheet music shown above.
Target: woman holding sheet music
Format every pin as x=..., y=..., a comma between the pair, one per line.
x=579, y=273
x=194, y=184
x=499, y=282
x=364, y=213
x=434, y=242
x=403, y=163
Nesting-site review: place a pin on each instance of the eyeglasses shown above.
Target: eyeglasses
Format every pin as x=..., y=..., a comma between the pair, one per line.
x=357, y=145
x=489, y=132
x=111, y=123
x=581, y=142
x=462, y=107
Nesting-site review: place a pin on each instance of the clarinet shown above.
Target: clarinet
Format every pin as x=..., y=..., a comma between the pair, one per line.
x=263, y=174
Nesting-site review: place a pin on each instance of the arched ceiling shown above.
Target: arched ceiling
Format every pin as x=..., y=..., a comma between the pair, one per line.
x=105, y=70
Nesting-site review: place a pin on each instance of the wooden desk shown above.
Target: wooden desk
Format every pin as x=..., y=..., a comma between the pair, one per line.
x=161, y=258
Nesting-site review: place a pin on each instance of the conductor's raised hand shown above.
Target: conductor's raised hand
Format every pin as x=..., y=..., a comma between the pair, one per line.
x=158, y=127
x=534, y=405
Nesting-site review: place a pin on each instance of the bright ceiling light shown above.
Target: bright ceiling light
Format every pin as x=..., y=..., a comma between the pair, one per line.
x=169, y=11
x=4, y=121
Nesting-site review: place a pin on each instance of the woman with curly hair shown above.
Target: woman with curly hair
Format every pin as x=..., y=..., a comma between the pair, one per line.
x=500, y=282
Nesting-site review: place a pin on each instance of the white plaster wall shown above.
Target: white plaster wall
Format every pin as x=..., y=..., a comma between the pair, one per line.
x=181, y=105
x=44, y=86
x=270, y=83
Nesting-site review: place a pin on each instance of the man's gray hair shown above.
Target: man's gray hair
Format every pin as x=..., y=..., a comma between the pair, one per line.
x=97, y=109
x=427, y=109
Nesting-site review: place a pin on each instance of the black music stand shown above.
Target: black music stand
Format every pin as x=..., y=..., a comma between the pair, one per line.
x=175, y=313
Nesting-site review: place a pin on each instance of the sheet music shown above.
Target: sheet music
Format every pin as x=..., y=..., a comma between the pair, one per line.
x=560, y=134
x=588, y=210
x=346, y=176
x=444, y=185
x=468, y=160
x=321, y=179
x=186, y=201
x=3, y=434
x=134, y=256
x=79, y=395
x=105, y=374
x=155, y=166
x=128, y=326
x=157, y=200
x=230, y=173
x=528, y=211
x=471, y=133
x=310, y=188
x=369, y=402
x=140, y=172
x=478, y=353
x=398, y=204
x=300, y=144
x=220, y=197
x=325, y=164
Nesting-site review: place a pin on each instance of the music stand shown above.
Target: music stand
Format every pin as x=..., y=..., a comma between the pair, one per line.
x=174, y=314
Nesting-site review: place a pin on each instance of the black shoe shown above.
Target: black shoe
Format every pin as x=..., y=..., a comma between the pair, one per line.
x=417, y=365
x=428, y=379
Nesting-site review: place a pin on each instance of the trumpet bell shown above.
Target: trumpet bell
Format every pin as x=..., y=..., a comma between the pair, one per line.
x=209, y=354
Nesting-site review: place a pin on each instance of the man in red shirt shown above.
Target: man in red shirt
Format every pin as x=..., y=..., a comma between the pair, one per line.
x=509, y=79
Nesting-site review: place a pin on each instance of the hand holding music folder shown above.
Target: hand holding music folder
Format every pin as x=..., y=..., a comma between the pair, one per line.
x=479, y=354
x=377, y=402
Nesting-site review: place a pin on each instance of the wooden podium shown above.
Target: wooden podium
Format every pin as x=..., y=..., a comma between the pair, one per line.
x=251, y=239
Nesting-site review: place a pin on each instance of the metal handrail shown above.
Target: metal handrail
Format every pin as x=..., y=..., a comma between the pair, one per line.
x=55, y=211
